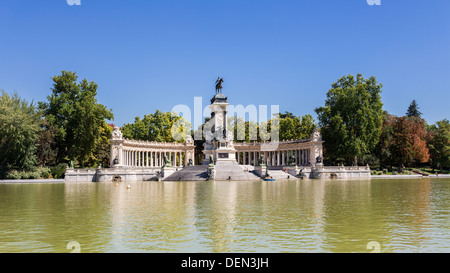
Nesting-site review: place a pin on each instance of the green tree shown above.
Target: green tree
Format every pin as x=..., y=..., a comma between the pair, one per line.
x=73, y=111
x=19, y=131
x=383, y=150
x=287, y=114
x=289, y=128
x=351, y=118
x=159, y=126
x=439, y=144
x=307, y=126
x=101, y=154
x=413, y=110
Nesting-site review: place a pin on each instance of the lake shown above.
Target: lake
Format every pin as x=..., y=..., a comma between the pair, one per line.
x=402, y=215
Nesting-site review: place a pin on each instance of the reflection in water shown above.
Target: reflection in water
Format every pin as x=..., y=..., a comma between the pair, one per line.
x=282, y=216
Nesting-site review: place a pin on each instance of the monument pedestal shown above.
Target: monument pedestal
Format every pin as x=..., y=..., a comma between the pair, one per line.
x=219, y=141
x=260, y=170
x=167, y=171
x=292, y=170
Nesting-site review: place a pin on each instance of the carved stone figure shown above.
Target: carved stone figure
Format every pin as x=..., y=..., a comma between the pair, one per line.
x=166, y=162
x=261, y=161
x=316, y=135
x=211, y=161
x=319, y=159
x=116, y=134
x=291, y=161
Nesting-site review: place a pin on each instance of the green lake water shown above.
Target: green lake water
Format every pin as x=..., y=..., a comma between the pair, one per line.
x=284, y=216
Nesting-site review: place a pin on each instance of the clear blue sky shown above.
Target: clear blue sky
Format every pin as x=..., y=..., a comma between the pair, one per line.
x=147, y=55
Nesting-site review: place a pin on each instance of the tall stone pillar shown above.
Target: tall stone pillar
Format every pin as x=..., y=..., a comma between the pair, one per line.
x=116, y=156
x=316, y=150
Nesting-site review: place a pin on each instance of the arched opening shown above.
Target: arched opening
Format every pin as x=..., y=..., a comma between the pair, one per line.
x=117, y=178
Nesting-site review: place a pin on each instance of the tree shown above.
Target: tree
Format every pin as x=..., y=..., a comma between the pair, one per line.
x=289, y=128
x=47, y=147
x=413, y=110
x=287, y=115
x=19, y=130
x=403, y=141
x=402, y=145
x=102, y=151
x=439, y=144
x=351, y=118
x=383, y=149
x=418, y=134
x=307, y=127
x=159, y=126
x=73, y=111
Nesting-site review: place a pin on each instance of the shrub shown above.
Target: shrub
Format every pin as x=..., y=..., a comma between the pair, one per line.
x=59, y=170
x=31, y=175
x=45, y=172
x=13, y=175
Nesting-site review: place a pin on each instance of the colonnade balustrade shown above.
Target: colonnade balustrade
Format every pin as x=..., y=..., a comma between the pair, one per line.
x=302, y=157
x=146, y=154
x=301, y=152
x=141, y=158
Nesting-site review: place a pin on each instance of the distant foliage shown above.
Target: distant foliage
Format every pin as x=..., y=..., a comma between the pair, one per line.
x=403, y=141
x=159, y=126
x=413, y=110
x=19, y=131
x=439, y=144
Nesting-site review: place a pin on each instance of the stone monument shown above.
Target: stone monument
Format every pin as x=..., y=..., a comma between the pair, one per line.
x=219, y=141
x=261, y=168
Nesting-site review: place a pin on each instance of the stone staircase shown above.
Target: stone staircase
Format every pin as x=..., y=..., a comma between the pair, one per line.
x=233, y=171
x=280, y=175
x=224, y=171
x=190, y=173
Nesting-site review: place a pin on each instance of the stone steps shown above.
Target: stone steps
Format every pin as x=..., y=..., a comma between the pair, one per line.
x=190, y=173
x=279, y=174
x=224, y=171
x=233, y=171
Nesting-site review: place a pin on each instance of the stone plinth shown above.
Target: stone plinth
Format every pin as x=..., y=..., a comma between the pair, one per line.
x=292, y=170
x=167, y=171
x=260, y=170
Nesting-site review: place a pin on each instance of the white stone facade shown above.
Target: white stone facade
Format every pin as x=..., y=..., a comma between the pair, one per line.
x=304, y=151
x=127, y=153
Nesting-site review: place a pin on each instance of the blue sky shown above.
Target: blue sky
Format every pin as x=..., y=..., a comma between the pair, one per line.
x=147, y=55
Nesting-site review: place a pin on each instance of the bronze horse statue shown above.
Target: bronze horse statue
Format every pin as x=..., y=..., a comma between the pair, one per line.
x=219, y=86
